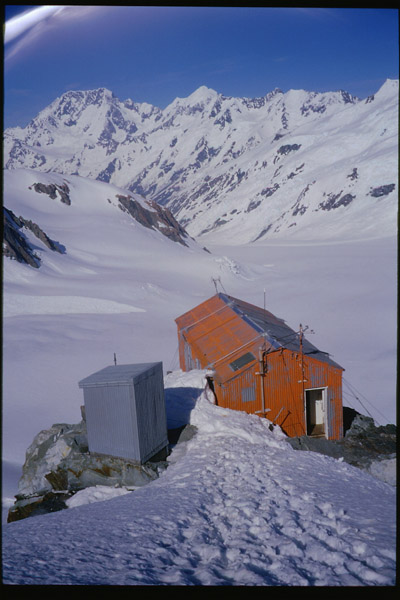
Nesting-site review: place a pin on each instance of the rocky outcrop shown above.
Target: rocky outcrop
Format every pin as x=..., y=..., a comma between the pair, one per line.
x=15, y=243
x=52, y=190
x=58, y=464
x=157, y=217
x=382, y=190
x=364, y=445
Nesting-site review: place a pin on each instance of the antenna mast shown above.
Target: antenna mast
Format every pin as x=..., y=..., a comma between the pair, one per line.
x=301, y=336
x=215, y=281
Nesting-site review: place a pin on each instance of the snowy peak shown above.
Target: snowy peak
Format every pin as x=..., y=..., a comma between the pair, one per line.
x=70, y=106
x=388, y=89
x=203, y=95
x=76, y=110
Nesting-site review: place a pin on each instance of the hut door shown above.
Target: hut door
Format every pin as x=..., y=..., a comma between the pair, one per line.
x=315, y=411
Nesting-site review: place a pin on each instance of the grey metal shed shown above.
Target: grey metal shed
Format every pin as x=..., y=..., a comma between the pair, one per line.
x=125, y=411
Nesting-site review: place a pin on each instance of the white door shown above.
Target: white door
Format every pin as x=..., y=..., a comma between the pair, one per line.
x=319, y=411
x=315, y=411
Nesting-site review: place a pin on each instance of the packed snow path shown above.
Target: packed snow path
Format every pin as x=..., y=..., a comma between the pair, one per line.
x=237, y=506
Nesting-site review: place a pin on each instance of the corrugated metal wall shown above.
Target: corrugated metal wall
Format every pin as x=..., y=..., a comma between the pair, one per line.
x=212, y=330
x=111, y=421
x=284, y=393
x=128, y=419
x=150, y=414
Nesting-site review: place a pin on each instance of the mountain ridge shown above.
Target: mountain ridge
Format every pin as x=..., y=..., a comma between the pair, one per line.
x=229, y=168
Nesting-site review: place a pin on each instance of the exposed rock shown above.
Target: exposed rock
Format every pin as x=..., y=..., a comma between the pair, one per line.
x=336, y=200
x=38, y=505
x=382, y=190
x=52, y=189
x=158, y=218
x=270, y=190
x=363, y=446
x=253, y=204
x=58, y=464
x=106, y=174
x=15, y=244
x=284, y=150
x=354, y=174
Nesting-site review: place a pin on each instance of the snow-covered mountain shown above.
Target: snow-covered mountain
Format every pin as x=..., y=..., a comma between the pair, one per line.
x=312, y=165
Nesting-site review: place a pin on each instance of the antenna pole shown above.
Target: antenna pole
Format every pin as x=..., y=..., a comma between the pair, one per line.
x=302, y=362
x=216, y=280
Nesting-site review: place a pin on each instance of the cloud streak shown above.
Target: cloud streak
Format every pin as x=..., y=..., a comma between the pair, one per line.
x=26, y=29
x=21, y=24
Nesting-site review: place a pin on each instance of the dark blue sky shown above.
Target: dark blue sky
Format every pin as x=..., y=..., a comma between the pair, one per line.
x=155, y=54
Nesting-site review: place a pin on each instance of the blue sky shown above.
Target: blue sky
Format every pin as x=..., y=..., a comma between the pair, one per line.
x=155, y=54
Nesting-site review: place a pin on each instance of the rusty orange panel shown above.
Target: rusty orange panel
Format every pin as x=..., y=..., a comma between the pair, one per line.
x=214, y=336
x=284, y=392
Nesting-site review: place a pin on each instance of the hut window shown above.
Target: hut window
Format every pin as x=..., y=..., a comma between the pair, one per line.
x=242, y=361
x=190, y=362
x=248, y=394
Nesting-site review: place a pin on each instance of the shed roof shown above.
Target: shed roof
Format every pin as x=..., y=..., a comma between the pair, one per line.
x=275, y=331
x=119, y=374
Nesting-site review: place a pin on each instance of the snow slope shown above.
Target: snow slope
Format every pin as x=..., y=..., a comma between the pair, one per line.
x=236, y=506
x=119, y=286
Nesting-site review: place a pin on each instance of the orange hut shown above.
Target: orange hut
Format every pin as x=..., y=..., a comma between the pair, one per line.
x=259, y=365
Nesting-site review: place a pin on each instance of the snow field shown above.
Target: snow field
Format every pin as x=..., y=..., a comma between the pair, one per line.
x=53, y=305
x=236, y=506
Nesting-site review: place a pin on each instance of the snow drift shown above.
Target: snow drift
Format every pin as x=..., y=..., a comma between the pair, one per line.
x=236, y=506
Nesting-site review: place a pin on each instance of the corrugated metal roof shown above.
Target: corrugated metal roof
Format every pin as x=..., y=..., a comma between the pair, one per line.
x=119, y=374
x=277, y=332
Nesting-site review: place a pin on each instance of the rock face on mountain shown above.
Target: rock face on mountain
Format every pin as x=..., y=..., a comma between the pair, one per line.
x=58, y=465
x=52, y=190
x=15, y=243
x=231, y=167
x=158, y=217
